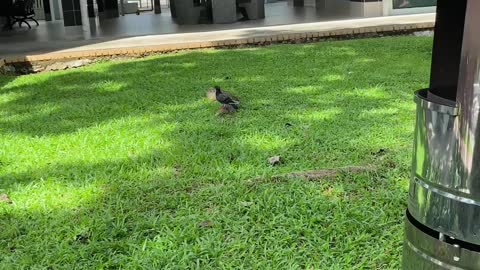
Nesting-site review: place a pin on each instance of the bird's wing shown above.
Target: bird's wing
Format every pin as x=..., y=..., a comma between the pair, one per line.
x=231, y=96
x=225, y=99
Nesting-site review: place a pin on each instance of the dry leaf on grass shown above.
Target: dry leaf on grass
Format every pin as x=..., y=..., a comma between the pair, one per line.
x=5, y=198
x=275, y=160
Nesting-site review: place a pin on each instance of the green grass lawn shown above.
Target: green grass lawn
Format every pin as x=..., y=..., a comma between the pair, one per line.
x=124, y=165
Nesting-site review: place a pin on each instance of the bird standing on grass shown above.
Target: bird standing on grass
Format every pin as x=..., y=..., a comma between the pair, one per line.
x=225, y=99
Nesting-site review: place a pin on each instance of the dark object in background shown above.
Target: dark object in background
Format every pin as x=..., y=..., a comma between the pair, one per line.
x=157, y=7
x=47, y=10
x=242, y=10
x=6, y=10
x=206, y=15
x=22, y=12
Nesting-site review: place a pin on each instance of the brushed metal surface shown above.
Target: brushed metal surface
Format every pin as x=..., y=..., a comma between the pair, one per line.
x=442, y=194
x=423, y=251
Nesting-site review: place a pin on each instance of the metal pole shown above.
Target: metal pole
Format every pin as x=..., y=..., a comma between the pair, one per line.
x=447, y=47
x=442, y=224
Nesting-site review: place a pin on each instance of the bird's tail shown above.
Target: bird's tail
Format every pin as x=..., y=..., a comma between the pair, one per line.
x=235, y=104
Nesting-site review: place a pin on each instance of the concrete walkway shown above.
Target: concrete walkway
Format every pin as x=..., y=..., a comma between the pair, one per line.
x=171, y=42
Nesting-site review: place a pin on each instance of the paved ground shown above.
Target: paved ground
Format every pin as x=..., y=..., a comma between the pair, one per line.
x=54, y=36
x=167, y=42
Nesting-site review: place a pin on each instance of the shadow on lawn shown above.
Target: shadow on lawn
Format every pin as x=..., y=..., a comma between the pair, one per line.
x=64, y=102
x=4, y=80
x=148, y=206
x=278, y=103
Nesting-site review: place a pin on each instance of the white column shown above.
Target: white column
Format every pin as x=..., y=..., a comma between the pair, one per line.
x=60, y=9
x=52, y=10
x=387, y=7
x=85, y=18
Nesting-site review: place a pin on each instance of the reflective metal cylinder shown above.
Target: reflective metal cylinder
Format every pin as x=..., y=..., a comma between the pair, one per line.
x=424, y=249
x=442, y=227
x=443, y=218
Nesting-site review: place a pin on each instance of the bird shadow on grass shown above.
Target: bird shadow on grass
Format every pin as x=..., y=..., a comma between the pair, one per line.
x=139, y=159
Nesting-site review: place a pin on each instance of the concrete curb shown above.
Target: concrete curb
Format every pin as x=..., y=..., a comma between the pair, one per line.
x=390, y=29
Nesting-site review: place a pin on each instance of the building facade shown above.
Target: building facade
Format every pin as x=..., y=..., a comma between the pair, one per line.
x=199, y=11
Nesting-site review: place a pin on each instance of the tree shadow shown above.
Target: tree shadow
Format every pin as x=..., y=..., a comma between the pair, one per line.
x=4, y=80
x=82, y=98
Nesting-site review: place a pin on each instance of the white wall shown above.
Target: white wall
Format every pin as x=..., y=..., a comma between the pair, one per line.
x=388, y=9
x=366, y=9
